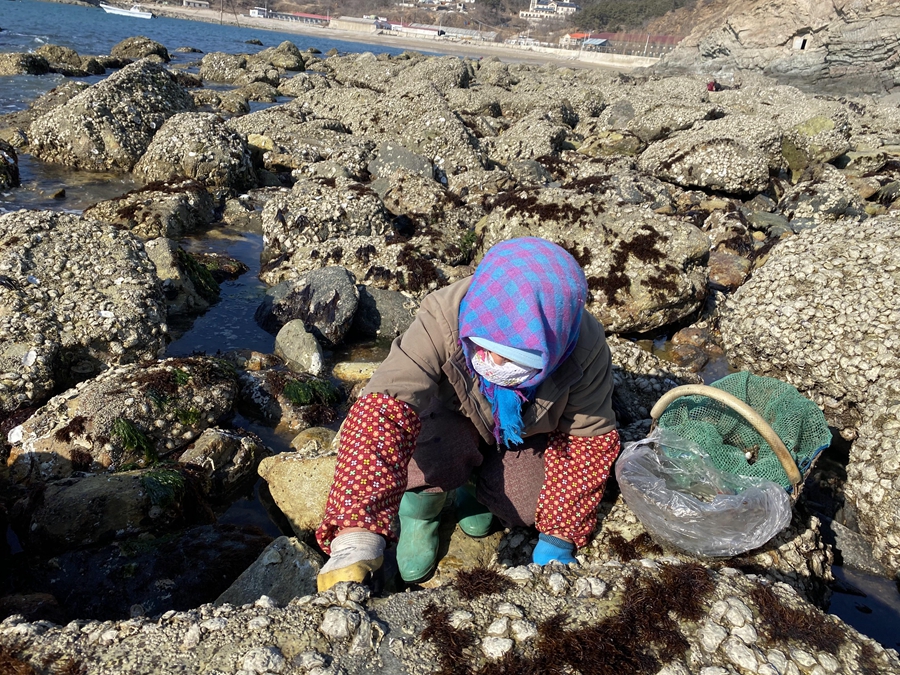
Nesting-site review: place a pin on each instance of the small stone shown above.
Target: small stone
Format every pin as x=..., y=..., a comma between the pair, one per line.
x=339, y=623
x=263, y=660
x=713, y=670
x=258, y=622
x=460, y=619
x=740, y=654
x=265, y=602
x=510, y=610
x=523, y=630
x=495, y=648
x=804, y=658
x=829, y=663
x=519, y=574
x=747, y=633
x=777, y=658
x=590, y=587
x=711, y=636
x=498, y=627
x=214, y=624
x=191, y=637
x=109, y=636
x=557, y=583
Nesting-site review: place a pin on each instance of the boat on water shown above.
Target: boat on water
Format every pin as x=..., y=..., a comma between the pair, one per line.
x=135, y=11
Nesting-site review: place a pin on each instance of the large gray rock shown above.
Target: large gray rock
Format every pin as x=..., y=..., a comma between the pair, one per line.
x=873, y=473
x=832, y=47
x=299, y=348
x=285, y=56
x=169, y=210
x=131, y=415
x=110, y=125
x=87, y=510
x=732, y=155
x=821, y=314
x=76, y=297
x=673, y=617
x=287, y=569
x=826, y=197
x=299, y=485
x=316, y=211
x=644, y=270
x=19, y=63
x=244, y=69
x=228, y=459
x=392, y=156
x=382, y=313
x=198, y=146
x=529, y=138
x=139, y=47
x=325, y=300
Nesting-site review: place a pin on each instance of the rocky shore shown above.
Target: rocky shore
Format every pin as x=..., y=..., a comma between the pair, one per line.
x=756, y=224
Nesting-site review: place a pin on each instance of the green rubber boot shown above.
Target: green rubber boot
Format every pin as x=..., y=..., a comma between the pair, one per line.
x=420, y=517
x=473, y=517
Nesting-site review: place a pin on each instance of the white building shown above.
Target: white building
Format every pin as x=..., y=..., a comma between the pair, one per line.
x=540, y=10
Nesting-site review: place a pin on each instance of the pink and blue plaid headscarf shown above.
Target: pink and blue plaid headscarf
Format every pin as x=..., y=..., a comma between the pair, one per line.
x=528, y=294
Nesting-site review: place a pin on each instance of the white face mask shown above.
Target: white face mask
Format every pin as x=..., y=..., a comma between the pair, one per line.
x=508, y=375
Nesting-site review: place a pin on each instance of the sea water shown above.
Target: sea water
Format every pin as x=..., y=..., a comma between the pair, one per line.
x=28, y=24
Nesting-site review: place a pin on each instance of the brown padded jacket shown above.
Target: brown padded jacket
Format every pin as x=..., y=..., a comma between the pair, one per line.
x=427, y=361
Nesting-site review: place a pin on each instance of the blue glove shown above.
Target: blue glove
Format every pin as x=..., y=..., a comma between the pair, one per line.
x=550, y=548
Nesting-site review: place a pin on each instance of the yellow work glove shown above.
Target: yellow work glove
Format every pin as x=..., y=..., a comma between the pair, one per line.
x=356, y=556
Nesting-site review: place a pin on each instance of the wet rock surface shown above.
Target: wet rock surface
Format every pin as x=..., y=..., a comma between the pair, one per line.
x=169, y=210
x=723, y=622
x=78, y=296
x=199, y=146
x=110, y=125
x=755, y=225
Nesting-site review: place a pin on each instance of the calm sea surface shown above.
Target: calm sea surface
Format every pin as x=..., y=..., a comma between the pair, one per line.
x=28, y=24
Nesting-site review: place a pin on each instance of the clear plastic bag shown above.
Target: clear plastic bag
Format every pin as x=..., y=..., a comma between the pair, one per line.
x=681, y=499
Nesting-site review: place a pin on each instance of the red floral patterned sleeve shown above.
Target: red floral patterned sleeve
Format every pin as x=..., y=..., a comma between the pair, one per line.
x=377, y=441
x=576, y=470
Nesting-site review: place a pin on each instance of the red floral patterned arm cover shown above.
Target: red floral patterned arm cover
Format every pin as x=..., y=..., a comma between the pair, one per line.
x=377, y=441
x=576, y=470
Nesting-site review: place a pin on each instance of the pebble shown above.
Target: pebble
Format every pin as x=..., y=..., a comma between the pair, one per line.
x=460, y=619
x=523, y=630
x=557, y=583
x=740, y=654
x=191, y=637
x=339, y=623
x=263, y=660
x=214, y=624
x=711, y=636
x=495, y=648
x=510, y=610
x=498, y=627
x=258, y=622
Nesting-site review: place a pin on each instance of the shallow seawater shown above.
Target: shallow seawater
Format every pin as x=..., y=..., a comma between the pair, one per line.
x=229, y=323
x=875, y=611
x=41, y=183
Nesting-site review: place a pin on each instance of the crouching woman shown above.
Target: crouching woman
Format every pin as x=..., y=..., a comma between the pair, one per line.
x=500, y=390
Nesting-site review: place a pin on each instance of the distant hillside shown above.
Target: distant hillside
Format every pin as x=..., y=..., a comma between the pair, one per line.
x=839, y=46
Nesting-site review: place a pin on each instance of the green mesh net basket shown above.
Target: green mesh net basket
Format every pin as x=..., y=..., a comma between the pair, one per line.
x=759, y=426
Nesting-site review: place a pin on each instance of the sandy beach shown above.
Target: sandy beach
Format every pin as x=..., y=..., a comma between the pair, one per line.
x=438, y=46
